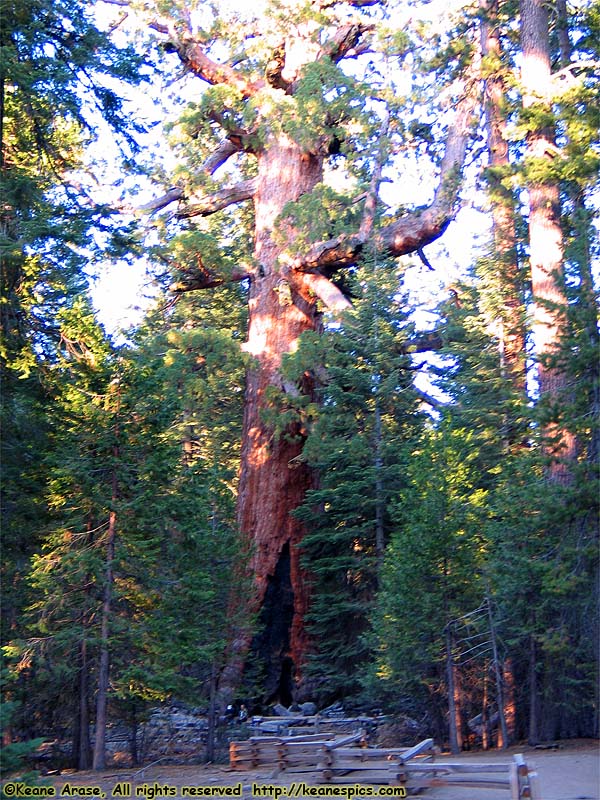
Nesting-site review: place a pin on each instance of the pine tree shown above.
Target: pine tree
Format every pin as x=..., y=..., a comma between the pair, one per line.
x=55, y=71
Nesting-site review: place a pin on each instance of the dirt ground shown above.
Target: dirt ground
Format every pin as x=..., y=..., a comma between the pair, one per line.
x=571, y=772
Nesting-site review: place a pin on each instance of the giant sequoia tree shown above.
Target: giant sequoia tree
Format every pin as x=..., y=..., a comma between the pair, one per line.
x=288, y=95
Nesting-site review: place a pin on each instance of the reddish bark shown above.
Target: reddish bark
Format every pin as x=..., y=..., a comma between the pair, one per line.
x=546, y=241
x=510, y=706
x=272, y=483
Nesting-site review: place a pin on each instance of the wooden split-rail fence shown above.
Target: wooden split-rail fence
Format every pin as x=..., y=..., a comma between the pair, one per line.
x=319, y=759
x=291, y=724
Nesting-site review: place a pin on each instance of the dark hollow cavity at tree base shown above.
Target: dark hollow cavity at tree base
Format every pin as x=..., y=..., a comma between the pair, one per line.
x=269, y=671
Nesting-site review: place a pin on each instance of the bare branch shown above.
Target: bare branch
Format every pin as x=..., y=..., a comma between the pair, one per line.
x=116, y=25
x=174, y=194
x=326, y=291
x=160, y=27
x=323, y=4
x=427, y=398
x=344, y=41
x=219, y=156
x=424, y=259
x=228, y=196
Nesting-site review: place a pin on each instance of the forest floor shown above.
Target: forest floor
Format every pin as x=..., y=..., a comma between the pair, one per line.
x=571, y=772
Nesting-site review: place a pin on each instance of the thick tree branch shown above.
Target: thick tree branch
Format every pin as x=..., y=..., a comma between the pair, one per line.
x=174, y=194
x=219, y=200
x=344, y=41
x=191, y=53
x=194, y=58
x=219, y=156
x=326, y=291
x=417, y=229
x=275, y=67
x=203, y=207
x=202, y=277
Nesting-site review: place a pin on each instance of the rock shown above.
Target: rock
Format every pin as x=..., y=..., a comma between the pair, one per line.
x=281, y=711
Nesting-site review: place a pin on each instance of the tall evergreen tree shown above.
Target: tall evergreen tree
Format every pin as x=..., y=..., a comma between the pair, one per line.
x=276, y=111
x=141, y=547
x=436, y=563
x=56, y=70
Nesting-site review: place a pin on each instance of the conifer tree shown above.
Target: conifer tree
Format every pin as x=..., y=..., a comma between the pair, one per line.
x=56, y=70
x=435, y=566
x=276, y=110
x=141, y=544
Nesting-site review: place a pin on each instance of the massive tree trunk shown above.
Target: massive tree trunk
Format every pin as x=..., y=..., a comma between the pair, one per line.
x=272, y=480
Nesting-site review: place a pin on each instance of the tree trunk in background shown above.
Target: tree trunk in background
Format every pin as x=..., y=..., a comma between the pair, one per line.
x=533, y=693
x=454, y=724
x=83, y=750
x=212, y=715
x=133, y=737
x=99, y=761
x=485, y=732
x=583, y=220
x=510, y=708
x=104, y=666
x=273, y=482
x=510, y=280
x=503, y=740
x=545, y=236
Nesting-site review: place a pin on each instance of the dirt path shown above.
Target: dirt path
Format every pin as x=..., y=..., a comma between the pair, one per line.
x=570, y=773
